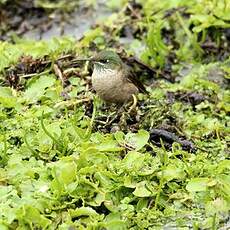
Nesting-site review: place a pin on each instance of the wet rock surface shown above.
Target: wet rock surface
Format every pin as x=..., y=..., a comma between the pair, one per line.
x=25, y=19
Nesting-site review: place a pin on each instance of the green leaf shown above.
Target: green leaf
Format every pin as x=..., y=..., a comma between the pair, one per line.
x=217, y=205
x=115, y=4
x=108, y=146
x=37, y=89
x=197, y=185
x=137, y=140
x=90, y=36
x=172, y=172
x=133, y=159
x=141, y=190
x=3, y=227
x=107, y=181
x=6, y=97
x=30, y=215
x=142, y=203
x=114, y=222
x=64, y=172
x=83, y=211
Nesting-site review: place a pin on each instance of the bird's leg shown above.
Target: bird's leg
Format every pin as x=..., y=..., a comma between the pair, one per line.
x=124, y=107
x=120, y=111
x=122, y=122
x=131, y=111
x=134, y=105
x=108, y=121
x=123, y=114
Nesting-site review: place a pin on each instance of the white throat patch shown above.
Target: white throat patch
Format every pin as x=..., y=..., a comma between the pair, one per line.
x=103, y=70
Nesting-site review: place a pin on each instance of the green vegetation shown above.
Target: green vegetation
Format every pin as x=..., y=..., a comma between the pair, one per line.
x=62, y=164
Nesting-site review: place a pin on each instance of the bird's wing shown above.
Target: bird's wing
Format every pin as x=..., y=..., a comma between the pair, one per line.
x=131, y=77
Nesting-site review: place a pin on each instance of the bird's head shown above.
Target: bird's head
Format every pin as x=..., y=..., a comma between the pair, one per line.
x=106, y=60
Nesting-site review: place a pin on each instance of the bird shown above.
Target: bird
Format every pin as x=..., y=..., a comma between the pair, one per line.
x=112, y=79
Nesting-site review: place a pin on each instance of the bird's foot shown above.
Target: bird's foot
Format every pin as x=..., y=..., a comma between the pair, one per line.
x=134, y=105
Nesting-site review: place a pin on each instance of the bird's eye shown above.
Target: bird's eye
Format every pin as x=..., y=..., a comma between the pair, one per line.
x=104, y=61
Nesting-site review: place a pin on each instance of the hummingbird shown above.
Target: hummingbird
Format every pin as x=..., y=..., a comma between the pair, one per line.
x=112, y=79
